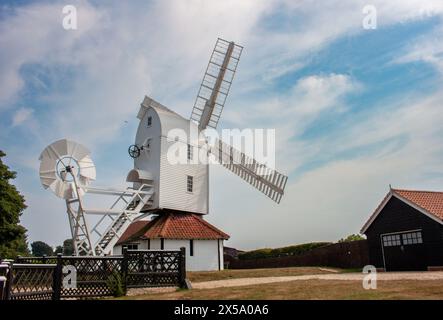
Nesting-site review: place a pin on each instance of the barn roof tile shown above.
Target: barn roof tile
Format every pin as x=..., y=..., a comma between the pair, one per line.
x=429, y=202
x=175, y=225
x=133, y=228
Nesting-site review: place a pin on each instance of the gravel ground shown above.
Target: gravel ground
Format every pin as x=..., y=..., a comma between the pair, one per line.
x=140, y=291
x=381, y=276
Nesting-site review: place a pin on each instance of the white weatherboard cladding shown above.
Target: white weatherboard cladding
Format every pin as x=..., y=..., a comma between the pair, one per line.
x=117, y=250
x=173, y=183
x=150, y=160
x=205, y=256
x=170, y=180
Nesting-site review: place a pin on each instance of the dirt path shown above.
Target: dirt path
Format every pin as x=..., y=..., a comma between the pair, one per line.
x=341, y=276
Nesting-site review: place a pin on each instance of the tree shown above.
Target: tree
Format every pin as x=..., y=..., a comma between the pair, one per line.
x=352, y=237
x=68, y=247
x=58, y=249
x=39, y=248
x=12, y=234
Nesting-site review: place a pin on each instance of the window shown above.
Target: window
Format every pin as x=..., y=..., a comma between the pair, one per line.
x=391, y=240
x=149, y=244
x=162, y=243
x=412, y=238
x=191, y=247
x=149, y=121
x=406, y=238
x=131, y=246
x=189, y=183
x=190, y=152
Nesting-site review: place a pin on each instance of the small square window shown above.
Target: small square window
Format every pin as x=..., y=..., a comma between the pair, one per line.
x=131, y=246
x=393, y=240
x=412, y=238
x=149, y=121
x=189, y=183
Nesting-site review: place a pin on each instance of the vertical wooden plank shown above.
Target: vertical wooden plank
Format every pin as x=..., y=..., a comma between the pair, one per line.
x=57, y=278
x=182, y=269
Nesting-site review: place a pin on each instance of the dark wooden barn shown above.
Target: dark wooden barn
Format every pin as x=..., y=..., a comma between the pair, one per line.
x=406, y=231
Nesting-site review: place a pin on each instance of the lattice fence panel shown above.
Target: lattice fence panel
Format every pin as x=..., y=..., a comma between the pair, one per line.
x=33, y=279
x=93, y=274
x=31, y=282
x=153, y=268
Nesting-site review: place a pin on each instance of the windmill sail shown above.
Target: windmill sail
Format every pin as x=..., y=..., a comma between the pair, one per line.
x=216, y=84
x=266, y=180
x=55, y=159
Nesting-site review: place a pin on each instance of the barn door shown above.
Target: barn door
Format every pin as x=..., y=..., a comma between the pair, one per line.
x=404, y=251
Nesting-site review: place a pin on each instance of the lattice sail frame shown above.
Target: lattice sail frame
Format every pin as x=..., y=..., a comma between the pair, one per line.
x=216, y=83
x=268, y=181
x=207, y=110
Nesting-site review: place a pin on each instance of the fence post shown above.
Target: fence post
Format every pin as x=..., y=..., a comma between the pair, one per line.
x=2, y=287
x=9, y=279
x=182, y=268
x=124, y=270
x=57, y=278
x=4, y=268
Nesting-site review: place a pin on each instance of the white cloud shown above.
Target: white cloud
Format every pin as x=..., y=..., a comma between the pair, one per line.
x=428, y=48
x=293, y=112
x=119, y=53
x=335, y=199
x=21, y=115
x=314, y=94
x=34, y=34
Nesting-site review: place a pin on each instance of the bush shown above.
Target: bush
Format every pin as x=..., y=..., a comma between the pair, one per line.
x=352, y=237
x=116, y=284
x=281, y=252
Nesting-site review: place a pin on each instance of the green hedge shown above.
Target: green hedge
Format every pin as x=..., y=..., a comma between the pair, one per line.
x=281, y=252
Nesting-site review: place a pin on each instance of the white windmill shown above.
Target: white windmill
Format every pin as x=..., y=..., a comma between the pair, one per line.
x=178, y=194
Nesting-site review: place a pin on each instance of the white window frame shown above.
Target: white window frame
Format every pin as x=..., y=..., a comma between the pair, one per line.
x=410, y=238
x=189, y=183
x=131, y=244
x=190, y=152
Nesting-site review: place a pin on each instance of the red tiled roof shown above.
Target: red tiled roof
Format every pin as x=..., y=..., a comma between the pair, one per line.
x=429, y=201
x=174, y=225
x=133, y=228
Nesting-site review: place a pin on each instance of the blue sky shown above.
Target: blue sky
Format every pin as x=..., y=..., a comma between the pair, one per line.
x=354, y=109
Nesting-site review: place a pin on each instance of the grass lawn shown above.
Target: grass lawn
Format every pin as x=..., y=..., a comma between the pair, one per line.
x=254, y=273
x=312, y=289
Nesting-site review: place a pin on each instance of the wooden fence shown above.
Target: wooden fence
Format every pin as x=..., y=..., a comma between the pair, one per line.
x=340, y=255
x=41, y=278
